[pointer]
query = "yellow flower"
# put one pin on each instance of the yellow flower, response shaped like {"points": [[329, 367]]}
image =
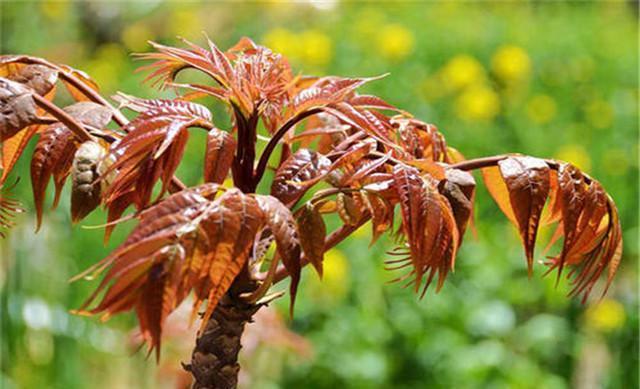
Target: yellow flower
{"points": [[106, 66], [283, 41], [541, 109], [317, 48], [599, 114], [396, 42], [478, 102], [333, 285], [606, 316], [511, 64], [461, 71], [576, 155], [135, 36], [335, 268], [54, 9]]}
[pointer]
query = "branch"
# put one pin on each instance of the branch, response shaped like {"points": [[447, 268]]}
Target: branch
{"points": [[78, 84], [479, 163], [66, 119], [273, 142]]}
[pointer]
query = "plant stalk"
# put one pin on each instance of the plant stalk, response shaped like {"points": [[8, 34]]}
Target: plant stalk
{"points": [[214, 360]]}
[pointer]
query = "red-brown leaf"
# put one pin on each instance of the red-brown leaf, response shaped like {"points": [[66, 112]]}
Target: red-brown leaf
{"points": [[153, 147], [52, 152]]}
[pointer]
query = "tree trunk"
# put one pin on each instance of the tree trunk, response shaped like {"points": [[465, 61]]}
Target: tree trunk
{"points": [[214, 361]]}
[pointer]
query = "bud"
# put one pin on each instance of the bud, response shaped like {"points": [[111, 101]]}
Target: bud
{"points": [[88, 165], [348, 209]]}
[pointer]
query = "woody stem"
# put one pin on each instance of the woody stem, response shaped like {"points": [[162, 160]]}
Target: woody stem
{"points": [[214, 360], [273, 142], [480, 163], [64, 118]]}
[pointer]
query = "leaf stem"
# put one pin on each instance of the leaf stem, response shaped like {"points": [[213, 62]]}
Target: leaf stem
{"points": [[264, 158], [479, 163]]}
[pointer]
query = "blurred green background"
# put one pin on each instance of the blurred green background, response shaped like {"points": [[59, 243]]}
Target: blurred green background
{"points": [[548, 79]]}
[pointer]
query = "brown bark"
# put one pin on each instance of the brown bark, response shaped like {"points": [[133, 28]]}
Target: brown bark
{"points": [[214, 361]]}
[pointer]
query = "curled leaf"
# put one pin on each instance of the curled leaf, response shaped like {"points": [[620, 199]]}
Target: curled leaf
{"points": [[17, 108], [296, 174], [527, 181], [429, 226], [459, 189], [41, 79]]}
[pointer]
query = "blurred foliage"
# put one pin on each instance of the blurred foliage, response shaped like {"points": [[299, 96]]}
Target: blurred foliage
{"points": [[548, 79]]}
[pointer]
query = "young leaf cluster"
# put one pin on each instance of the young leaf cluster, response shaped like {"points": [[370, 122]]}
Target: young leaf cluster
{"points": [[340, 152]]}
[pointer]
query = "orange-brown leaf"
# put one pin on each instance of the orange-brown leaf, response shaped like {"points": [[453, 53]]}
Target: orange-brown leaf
{"points": [[312, 235], [294, 176], [527, 180], [221, 147], [499, 192], [83, 78], [459, 189], [233, 227], [282, 224], [12, 148]]}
